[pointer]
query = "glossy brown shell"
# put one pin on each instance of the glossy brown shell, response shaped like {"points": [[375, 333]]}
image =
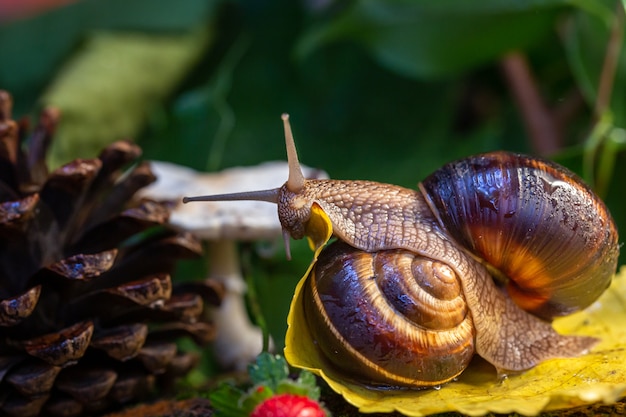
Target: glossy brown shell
{"points": [[532, 220], [388, 317]]}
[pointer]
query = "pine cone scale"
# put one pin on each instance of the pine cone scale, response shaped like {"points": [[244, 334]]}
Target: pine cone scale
{"points": [[156, 356], [202, 333], [150, 291], [185, 307], [122, 342], [15, 309], [115, 157], [15, 213], [34, 378], [64, 407], [114, 231], [117, 197], [87, 385], [131, 385], [87, 303], [64, 190], [9, 145], [38, 145], [84, 267], [24, 407], [62, 348]]}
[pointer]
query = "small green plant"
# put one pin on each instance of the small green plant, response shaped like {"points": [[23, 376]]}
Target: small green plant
{"points": [[272, 392]]}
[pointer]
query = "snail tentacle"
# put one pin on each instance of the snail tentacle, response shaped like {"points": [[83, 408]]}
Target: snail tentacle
{"points": [[295, 182]]}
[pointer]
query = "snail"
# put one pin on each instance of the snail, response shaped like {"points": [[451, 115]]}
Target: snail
{"points": [[478, 260]]}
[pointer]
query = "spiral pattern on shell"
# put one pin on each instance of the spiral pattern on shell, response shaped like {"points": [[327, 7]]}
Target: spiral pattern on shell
{"points": [[389, 317]]}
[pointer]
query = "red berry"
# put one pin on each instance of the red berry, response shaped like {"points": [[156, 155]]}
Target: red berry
{"points": [[288, 405]]}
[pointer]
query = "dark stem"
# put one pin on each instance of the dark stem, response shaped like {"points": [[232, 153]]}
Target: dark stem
{"points": [[611, 59], [545, 136]]}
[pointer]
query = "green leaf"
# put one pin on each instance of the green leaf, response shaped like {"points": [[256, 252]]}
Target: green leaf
{"points": [[255, 396], [430, 39], [226, 400], [268, 370], [305, 385], [307, 379]]}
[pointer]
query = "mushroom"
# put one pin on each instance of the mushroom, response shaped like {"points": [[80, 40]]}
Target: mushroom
{"points": [[222, 225]]}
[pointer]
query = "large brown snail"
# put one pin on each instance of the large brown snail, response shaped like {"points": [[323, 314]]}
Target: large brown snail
{"points": [[479, 260]]}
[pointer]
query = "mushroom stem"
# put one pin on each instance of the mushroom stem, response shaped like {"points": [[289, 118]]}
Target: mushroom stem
{"points": [[224, 262], [238, 341]]}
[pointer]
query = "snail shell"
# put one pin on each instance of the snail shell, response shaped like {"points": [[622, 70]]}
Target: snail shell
{"points": [[538, 224], [407, 294], [390, 317]]}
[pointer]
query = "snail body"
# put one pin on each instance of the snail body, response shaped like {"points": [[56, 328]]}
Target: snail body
{"points": [[406, 295]]}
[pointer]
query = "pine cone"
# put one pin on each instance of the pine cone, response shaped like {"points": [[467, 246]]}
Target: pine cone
{"points": [[88, 313]]}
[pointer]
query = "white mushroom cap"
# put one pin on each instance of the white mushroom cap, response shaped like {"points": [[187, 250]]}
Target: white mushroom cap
{"points": [[236, 220], [238, 341]]}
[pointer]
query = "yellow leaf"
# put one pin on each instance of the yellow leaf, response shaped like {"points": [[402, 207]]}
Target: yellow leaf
{"points": [[318, 230], [599, 376]]}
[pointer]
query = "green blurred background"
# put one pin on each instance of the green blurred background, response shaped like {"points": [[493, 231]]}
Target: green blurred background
{"points": [[386, 90]]}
